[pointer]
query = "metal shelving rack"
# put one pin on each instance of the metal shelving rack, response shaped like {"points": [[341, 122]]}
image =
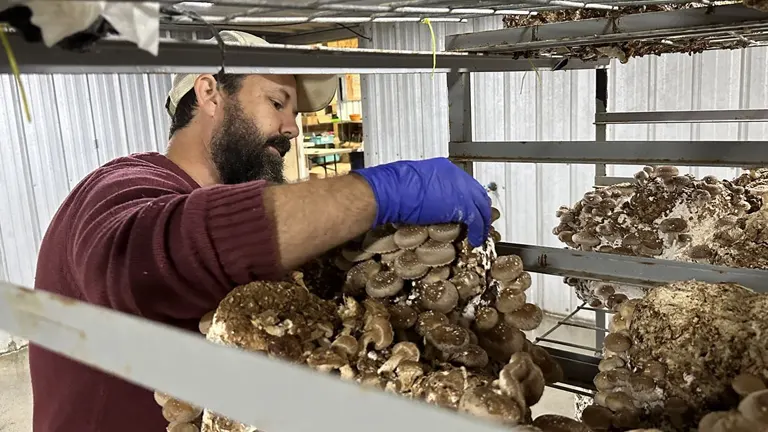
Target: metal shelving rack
{"points": [[59, 324]]}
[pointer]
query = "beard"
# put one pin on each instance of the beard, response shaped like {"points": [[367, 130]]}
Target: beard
{"points": [[241, 152]]}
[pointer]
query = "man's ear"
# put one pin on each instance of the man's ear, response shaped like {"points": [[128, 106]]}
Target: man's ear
{"points": [[207, 94]]}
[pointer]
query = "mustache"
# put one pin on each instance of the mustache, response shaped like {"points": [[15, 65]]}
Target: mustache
{"points": [[281, 143]]}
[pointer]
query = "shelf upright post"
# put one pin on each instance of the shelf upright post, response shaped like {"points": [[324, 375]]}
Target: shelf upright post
{"points": [[601, 106], [460, 113]]}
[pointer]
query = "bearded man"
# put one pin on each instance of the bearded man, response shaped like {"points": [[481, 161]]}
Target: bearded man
{"points": [[167, 236]]}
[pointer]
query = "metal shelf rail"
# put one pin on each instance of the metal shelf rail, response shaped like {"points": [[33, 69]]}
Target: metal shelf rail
{"points": [[144, 351], [722, 20], [291, 21]]}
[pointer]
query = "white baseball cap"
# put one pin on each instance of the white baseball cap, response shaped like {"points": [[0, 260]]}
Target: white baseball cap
{"points": [[314, 92]]}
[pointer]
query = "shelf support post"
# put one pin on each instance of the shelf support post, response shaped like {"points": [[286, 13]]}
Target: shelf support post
{"points": [[601, 106], [460, 113]]}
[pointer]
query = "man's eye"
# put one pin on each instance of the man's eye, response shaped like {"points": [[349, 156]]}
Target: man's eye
{"points": [[278, 105]]}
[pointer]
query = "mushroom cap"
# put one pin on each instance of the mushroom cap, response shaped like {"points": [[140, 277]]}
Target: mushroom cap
{"points": [[495, 214], [509, 300], [522, 283], [384, 284], [182, 427], [507, 268], [641, 383], [655, 370], [342, 263], [402, 316], [468, 284], [610, 363], [558, 423], [596, 417], [471, 356], [745, 384], [617, 342], [379, 331], [666, 171], [429, 320], [701, 251], [407, 350], [436, 253], [482, 402], [503, 340], [161, 398], [605, 290], [673, 225], [408, 266], [355, 255], [615, 300], [526, 318], [437, 274], [448, 338], [325, 359], [411, 236], [730, 421], [551, 369], [345, 345], [627, 308], [486, 318], [585, 239], [565, 236], [631, 239], [755, 407], [389, 258], [441, 296], [522, 369], [402, 351], [358, 276], [380, 240], [205, 322], [445, 233], [619, 401], [175, 410]]}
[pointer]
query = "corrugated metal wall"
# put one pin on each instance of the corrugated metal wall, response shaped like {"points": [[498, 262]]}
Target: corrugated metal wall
{"points": [[79, 122], [407, 118]]}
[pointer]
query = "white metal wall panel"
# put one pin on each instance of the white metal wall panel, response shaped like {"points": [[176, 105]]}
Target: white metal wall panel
{"points": [[711, 80], [78, 123], [406, 118]]}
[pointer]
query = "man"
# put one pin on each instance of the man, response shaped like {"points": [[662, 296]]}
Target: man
{"points": [[166, 237]]}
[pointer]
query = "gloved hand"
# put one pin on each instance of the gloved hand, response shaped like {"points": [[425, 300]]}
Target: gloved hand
{"points": [[429, 192]]}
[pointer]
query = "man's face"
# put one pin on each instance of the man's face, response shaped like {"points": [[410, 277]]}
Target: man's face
{"points": [[254, 130]]}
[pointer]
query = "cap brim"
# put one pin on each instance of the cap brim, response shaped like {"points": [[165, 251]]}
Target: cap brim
{"points": [[315, 92]]}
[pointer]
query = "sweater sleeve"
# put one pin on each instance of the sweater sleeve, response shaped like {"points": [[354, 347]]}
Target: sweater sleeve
{"points": [[141, 246]]}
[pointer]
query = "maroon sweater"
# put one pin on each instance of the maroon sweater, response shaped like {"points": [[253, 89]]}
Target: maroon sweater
{"points": [[140, 236]]}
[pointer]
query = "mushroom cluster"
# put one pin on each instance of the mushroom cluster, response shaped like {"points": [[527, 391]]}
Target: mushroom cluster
{"points": [[673, 355], [668, 216], [623, 50], [412, 310], [751, 413]]}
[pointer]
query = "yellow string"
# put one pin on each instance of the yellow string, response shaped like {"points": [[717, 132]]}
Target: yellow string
{"points": [[434, 45], [15, 71], [535, 69]]}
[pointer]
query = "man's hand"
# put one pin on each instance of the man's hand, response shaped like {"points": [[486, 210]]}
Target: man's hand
{"points": [[427, 192]]}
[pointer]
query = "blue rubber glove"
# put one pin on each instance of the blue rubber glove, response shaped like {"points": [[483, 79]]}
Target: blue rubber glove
{"points": [[429, 192]]}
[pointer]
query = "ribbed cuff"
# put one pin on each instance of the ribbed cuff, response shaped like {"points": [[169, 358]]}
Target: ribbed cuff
{"points": [[243, 234]]}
